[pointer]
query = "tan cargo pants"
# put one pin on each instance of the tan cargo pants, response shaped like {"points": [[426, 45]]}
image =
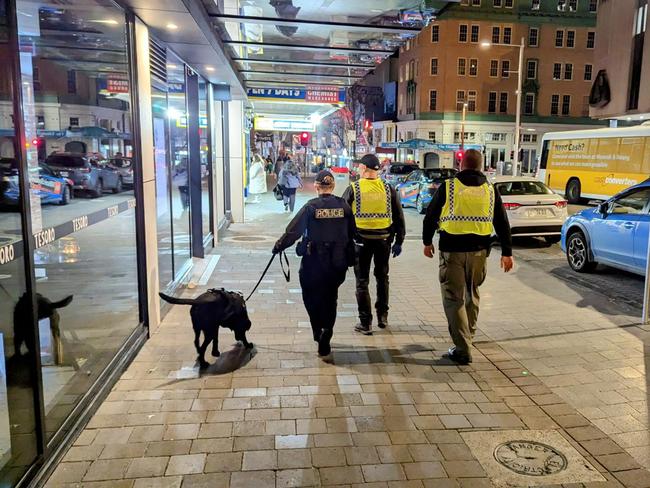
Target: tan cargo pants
{"points": [[461, 274]]}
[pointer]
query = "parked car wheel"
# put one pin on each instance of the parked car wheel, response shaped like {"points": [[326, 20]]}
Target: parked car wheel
{"points": [[552, 239], [67, 195], [573, 191], [420, 206], [577, 252], [99, 189], [119, 187]]}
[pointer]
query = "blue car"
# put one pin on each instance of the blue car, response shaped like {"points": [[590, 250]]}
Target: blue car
{"points": [[420, 186], [43, 182], [615, 233]]}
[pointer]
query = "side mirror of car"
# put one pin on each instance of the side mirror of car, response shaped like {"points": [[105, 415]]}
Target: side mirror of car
{"points": [[603, 208]]}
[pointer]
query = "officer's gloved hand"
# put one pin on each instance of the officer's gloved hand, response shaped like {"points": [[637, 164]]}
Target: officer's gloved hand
{"points": [[276, 249], [397, 250]]}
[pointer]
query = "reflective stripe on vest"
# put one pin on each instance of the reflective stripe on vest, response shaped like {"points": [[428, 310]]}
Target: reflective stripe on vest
{"points": [[372, 204], [468, 209]]}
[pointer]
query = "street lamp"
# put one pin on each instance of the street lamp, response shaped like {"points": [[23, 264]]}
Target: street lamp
{"points": [[520, 70], [462, 128]]}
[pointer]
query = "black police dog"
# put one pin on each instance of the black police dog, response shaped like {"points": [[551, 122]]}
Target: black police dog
{"points": [[211, 310], [23, 332]]}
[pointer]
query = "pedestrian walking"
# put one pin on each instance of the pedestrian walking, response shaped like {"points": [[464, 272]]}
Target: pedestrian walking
{"points": [[466, 211], [289, 180], [380, 222], [257, 178], [326, 225]]}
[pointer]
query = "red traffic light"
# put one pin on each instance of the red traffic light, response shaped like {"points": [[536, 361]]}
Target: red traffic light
{"points": [[459, 155], [35, 142], [304, 139]]}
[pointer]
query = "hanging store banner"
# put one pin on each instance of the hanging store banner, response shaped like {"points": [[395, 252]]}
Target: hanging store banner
{"points": [[323, 94], [316, 94], [114, 85], [289, 125]]}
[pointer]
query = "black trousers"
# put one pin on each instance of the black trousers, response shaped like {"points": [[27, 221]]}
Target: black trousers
{"points": [[369, 250], [320, 291]]}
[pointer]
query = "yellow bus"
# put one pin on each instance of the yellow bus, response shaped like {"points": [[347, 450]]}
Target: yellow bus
{"points": [[595, 164]]}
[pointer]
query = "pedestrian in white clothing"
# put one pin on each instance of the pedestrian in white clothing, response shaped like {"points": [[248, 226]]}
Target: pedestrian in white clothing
{"points": [[257, 178]]}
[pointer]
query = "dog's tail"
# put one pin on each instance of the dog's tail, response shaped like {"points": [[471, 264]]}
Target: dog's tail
{"points": [[177, 301], [62, 303]]}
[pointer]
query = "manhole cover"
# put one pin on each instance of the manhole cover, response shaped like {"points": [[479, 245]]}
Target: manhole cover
{"points": [[530, 458]]}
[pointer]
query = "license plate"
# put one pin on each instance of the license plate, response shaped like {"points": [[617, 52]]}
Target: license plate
{"points": [[537, 212], [64, 173]]}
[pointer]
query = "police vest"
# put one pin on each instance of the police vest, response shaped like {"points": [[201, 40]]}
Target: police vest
{"points": [[372, 204], [468, 209], [328, 222]]}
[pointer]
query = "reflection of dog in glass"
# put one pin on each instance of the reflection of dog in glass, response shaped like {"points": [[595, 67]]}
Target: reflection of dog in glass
{"points": [[23, 330], [211, 310]]}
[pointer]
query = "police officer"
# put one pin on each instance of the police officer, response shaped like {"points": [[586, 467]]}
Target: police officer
{"points": [[326, 225], [466, 210], [380, 221]]}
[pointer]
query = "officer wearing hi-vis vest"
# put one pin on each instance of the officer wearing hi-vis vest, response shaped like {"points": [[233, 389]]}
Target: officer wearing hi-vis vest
{"points": [[380, 221], [326, 225], [466, 211]]}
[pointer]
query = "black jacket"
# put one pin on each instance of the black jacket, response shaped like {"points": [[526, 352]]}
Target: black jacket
{"points": [[397, 228], [466, 242]]}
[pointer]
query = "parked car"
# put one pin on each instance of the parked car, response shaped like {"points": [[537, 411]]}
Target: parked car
{"points": [[43, 183], [533, 208], [615, 233], [395, 173], [420, 186], [87, 173], [124, 167]]}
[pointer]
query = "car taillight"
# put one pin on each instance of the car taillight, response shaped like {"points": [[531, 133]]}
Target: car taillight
{"points": [[561, 204], [511, 206]]}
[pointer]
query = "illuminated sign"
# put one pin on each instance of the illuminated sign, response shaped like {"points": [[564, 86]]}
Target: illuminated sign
{"points": [[265, 123], [312, 94], [117, 86]]}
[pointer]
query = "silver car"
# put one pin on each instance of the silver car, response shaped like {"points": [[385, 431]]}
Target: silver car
{"points": [[124, 166]]}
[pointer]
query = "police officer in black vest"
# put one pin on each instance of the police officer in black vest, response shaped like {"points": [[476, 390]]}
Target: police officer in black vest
{"points": [[326, 225]]}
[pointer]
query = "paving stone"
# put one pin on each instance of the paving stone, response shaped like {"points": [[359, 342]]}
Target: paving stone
{"points": [[209, 480], [260, 460], [147, 467], [186, 464], [292, 478], [424, 470], [383, 472], [109, 469], [223, 462], [168, 448]]}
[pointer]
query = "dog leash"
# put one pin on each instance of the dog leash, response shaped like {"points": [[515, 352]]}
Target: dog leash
{"points": [[284, 261]]}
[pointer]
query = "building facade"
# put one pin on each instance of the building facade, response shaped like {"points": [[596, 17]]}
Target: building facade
{"points": [[622, 61], [469, 56]]}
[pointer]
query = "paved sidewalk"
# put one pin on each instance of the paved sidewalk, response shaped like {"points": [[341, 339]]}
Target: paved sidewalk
{"points": [[388, 411]]}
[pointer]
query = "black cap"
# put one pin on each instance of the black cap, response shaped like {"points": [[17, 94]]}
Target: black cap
{"points": [[325, 178], [370, 161]]}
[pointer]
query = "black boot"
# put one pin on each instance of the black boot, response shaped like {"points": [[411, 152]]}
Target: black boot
{"points": [[364, 329], [324, 348], [382, 320]]}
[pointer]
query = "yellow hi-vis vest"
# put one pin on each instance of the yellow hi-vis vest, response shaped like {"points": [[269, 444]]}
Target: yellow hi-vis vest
{"points": [[468, 209], [372, 204]]}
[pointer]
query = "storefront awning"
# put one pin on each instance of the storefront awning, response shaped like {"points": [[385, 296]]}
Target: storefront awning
{"points": [[426, 144]]}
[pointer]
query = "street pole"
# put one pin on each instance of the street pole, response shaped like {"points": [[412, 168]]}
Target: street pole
{"points": [[646, 293], [462, 128], [515, 164]]}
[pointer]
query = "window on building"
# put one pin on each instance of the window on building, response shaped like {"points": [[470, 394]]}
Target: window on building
{"points": [[557, 71], [473, 67], [495, 137], [591, 40], [533, 37], [435, 33], [531, 69], [559, 38], [460, 100], [36, 74], [503, 102], [555, 104], [462, 33], [570, 38], [72, 81], [566, 104], [475, 33], [497, 3], [434, 66], [568, 71], [494, 68], [507, 35], [508, 3], [561, 5], [589, 72], [637, 54], [573, 5], [534, 4], [593, 6], [462, 66], [40, 122], [432, 136], [471, 101], [505, 69], [492, 102], [496, 35], [74, 122], [529, 104], [433, 100]]}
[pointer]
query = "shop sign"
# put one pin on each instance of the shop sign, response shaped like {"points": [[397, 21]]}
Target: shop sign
{"points": [[277, 93], [270, 124], [322, 94], [114, 85], [263, 137], [313, 94]]}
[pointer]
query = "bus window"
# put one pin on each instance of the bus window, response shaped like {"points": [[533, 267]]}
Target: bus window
{"points": [[543, 160]]}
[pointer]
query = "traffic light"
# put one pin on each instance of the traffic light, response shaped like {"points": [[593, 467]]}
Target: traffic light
{"points": [[459, 156], [304, 139]]}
